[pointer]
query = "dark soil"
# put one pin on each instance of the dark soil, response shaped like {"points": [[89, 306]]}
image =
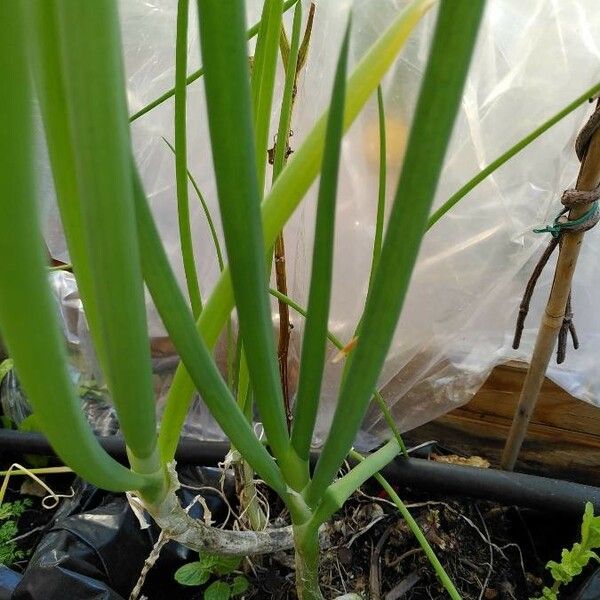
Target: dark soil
{"points": [[491, 552], [481, 545]]}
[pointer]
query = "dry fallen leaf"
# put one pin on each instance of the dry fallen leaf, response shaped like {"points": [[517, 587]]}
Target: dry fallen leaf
{"points": [[454, 459]]}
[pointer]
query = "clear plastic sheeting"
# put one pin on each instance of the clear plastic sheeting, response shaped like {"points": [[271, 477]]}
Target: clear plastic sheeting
{"points": [[83, 368], [532, 58]]}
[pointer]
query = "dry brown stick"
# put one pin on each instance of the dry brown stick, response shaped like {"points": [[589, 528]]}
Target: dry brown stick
{"points": [[163, 539], [285, 326], [375, 568], [402, 588], [552, 320]]}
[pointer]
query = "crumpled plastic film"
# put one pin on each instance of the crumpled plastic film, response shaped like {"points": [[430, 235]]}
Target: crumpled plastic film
{"points": [[83, 368], [532, 58], [94, 546]]}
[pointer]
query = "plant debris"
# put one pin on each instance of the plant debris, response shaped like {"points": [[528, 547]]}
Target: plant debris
{"points": [[485, 548], [454, 459]]}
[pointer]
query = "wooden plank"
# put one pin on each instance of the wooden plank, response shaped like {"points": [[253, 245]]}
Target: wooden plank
{"points": [[563, 439], [499, 396], [546, 451]]}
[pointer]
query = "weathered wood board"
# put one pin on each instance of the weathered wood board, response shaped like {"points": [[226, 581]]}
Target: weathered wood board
{"points": [[563, 438]]}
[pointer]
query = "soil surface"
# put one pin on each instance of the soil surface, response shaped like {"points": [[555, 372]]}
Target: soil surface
{"points": [[491, 552]]}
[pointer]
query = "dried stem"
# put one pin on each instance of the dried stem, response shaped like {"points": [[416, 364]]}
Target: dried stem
{"points": [[285, 325], [178, 525], [253, 515], [148, 564]]}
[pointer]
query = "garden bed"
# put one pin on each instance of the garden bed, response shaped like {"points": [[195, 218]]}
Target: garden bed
{"points": [[491, 551]]}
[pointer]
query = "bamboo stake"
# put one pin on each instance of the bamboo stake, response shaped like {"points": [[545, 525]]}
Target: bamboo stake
{"points": [[588, 179]]}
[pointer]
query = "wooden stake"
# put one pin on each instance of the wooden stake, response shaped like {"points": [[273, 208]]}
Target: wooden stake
{"points": [[588, 179]]}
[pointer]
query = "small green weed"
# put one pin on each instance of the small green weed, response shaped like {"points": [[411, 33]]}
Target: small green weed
{"points": [[9, 514], [226, 585], [575, 560]]}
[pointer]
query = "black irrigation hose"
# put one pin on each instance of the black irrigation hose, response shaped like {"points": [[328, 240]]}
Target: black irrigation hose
{"points": [[189, 451], [504, 487]]}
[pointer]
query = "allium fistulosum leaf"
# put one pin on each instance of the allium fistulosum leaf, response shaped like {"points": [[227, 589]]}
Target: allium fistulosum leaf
{"points": [[229, 111], [45, 57], [97, 112], [293, 183], [287, 101], [28, 318], [263, 81], [250, 33], [179, 323], [378, 240], [439, 99], [312, 363], [512, 151], [181, 171]]}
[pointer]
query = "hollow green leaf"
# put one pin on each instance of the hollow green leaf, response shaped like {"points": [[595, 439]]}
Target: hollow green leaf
{"points": [[181, 171], [194, 354], [387, 415], [312, 363], [234, 158], [287, 101], [209, 219], [303, 51], [439, 99], [416, 531], [28, 319], [506, 156], [97, 111], [303, 313], [263, 81], [338, 492], [290, 188], [378, 240], [45, 56]]}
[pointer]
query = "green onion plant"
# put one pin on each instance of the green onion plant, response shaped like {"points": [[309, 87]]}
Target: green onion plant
{"points": [[65, 56]]}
